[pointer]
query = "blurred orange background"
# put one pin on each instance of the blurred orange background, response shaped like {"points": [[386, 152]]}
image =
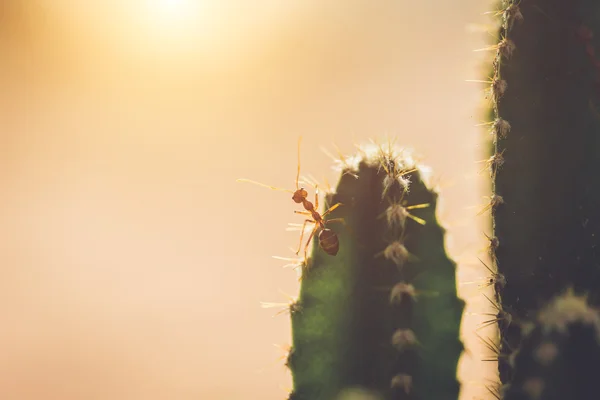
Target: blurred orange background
{"points": [[133, 265]]}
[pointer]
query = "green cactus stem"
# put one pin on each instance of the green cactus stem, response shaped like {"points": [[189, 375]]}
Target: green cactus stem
{"points": [[546, 215], [560, 355], [383, 314]]}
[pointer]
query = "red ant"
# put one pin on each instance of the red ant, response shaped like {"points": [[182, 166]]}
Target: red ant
{"points": [[328, 239]]}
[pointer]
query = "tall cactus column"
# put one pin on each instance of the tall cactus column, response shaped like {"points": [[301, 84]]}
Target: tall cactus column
{"points": [[383, 314], [546, 162]]}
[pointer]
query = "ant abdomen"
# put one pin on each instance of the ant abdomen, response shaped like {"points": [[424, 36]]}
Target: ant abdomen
{"points": [[329, 242]]}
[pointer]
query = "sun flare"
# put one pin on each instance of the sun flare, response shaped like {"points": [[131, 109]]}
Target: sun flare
{"points": [[171, 11], [173, 25]]}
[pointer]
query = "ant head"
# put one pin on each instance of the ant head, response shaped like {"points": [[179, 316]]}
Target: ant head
{"points": [[300, 195]]}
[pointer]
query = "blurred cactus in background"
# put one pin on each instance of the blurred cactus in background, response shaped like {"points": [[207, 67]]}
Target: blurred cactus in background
{"points": [[545, 93], [559, 355], [380, 319]]}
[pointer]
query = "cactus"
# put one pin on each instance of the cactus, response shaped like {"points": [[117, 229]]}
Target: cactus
{"points": [[383, 314], [380, 319], [545, 206]]}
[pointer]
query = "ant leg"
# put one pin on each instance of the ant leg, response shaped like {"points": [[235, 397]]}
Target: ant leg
{"points": [[308, 242], [331, 209], [302, 233], [316, 197], [302, 212], [343, 222]]}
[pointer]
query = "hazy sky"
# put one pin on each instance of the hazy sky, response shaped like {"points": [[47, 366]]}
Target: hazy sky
{"points": [[133, 265]]}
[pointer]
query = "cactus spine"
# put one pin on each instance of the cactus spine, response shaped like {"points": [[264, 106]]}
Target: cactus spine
{"points": [[383, 314], [546, 203]]}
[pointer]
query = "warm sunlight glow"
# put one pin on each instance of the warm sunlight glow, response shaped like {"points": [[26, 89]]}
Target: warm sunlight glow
{"points": [[174, 26], [172, 12], [171, 9], [177, 33]]}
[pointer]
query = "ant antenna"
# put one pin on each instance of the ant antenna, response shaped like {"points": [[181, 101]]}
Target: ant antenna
{"points": [[298, 174]]}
